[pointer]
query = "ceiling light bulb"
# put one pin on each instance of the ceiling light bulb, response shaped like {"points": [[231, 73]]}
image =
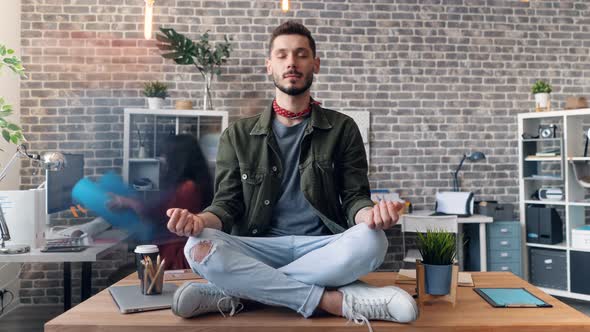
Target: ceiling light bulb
{"points": [[285, 5], [149, 14]]}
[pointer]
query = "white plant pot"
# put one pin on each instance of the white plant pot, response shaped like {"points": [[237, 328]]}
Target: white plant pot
{"points": [[155, 103], [142, 152], [542, 100]]}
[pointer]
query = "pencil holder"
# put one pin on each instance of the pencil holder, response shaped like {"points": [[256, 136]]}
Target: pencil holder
{"points": [[151, 284]]}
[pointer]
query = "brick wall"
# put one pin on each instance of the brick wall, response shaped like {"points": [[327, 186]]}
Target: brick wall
{"points": [[440, 78]]}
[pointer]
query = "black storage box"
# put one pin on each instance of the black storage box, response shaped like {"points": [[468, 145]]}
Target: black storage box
{"points": [[543, 225], [499, 212], [548, 268], [580, 270]]}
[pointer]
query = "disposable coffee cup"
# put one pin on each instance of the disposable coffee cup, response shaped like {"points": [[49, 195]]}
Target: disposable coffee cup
{"points": [[143, 251]]}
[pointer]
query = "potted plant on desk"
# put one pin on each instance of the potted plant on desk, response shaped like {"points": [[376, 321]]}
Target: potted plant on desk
{"points": [[438, 250]]}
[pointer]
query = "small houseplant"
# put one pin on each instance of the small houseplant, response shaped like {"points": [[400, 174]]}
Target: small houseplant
{"points": [[541, 91], [11, 132], [206, 58], [438, 250], [156, 92]]}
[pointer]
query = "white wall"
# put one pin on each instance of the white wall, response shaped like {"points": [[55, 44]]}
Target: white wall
{"points": [[9, 84], [9, 89]]}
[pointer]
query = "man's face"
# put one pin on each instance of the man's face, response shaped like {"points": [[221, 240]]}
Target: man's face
{"points": [[292, 64]]}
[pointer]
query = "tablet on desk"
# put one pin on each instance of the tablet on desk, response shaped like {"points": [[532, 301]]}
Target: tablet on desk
{"points": [[511, 298]]}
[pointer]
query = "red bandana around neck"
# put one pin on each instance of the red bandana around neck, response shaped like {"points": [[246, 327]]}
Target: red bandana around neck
{"points": [[291, 115]]}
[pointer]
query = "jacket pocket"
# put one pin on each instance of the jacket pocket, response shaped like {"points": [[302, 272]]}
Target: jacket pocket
{"points": [[251, 185], [326, 172], [327, 179]]}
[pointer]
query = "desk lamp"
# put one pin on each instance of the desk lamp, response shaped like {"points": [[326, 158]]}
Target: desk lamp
{"points": [[51, 161], [474, 156]]}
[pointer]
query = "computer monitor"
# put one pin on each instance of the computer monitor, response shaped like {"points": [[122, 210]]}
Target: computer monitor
{"points": [[60, 183]]}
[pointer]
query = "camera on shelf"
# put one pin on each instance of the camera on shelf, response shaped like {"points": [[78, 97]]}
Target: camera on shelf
{"points": [[547, 131]]}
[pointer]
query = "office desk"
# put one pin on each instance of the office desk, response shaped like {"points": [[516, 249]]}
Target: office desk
{"points": [[471, 313], [104, 241], [474, 219]]}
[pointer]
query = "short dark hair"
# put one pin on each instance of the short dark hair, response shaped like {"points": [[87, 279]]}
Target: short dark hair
{"points": [[292, 28]]}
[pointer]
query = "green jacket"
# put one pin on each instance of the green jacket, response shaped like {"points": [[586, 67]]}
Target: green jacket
{"points": [[332, 167]]}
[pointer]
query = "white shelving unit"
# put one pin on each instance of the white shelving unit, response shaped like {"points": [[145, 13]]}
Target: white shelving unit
{"points": [[556, 171], [154, 125]]}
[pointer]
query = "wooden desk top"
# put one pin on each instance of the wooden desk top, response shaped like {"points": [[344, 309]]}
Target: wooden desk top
{"points": [[471, 313]]}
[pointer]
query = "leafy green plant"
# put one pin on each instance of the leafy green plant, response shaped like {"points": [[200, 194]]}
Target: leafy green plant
{"points": [[206, 58], [155, 89], [541, 87], [11, 132], [437, 247]]}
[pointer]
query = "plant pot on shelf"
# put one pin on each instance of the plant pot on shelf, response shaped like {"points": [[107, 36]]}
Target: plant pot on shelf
{"points": [[155, 103], [542, 101], [438, 279]]}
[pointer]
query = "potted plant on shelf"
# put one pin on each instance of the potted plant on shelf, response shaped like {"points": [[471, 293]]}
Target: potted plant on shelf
{"points": [[11, 132], [206, 58], [541, 91], [155, 92], [438, 250]]}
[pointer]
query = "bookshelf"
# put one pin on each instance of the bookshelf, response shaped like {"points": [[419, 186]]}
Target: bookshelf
{"points": [[147, 128], [556, 170]]}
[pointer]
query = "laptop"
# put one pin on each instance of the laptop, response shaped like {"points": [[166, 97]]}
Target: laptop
{"points": [[129, 298]]}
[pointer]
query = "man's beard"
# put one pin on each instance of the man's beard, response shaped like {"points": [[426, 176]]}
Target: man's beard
{"points": [[294, 91]]}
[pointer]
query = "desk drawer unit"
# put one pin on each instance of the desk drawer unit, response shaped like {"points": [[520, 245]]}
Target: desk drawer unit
{"points": [[548, 268], [504, 247]]}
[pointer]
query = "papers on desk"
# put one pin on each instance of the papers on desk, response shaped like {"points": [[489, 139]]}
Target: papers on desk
{"points": [[89, 229], [406, 276], [180, 275], [60, 238]]}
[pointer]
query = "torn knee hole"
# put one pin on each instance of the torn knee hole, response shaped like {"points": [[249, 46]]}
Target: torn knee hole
{"points": [[200, 251]]}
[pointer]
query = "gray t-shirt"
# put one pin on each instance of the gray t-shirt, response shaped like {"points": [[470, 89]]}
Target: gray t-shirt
{"points": [[292, 214]]}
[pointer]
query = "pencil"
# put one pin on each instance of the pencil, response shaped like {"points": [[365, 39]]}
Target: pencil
{"points": [[156, 276]]}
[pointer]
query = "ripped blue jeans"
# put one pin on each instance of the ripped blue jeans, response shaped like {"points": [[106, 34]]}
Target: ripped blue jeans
{"points": [[290, 271]]}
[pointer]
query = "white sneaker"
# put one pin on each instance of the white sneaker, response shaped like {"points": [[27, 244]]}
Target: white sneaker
{"points": [[362, 302], [195, 298]]}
